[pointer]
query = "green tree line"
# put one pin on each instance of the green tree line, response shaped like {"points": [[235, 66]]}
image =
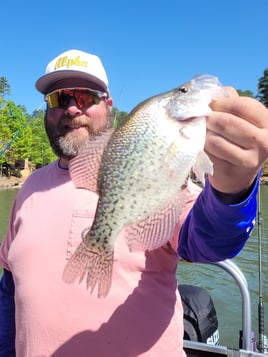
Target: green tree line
{"points": [[22, 135]]}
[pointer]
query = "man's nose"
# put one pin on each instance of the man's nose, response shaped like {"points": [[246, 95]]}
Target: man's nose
{"points": [[73, 108]]}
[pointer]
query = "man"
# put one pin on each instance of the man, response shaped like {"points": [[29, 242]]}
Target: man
{"points": [[142, 314]]}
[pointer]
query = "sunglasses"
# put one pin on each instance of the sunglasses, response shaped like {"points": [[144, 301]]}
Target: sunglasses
{"points": [[84, 97]]}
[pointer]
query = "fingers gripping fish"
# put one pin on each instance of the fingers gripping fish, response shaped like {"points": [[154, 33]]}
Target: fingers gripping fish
{"points": [[141, 175]]}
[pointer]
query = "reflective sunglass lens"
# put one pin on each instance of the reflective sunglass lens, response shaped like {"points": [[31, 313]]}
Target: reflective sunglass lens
{"points": [[83, 97]]}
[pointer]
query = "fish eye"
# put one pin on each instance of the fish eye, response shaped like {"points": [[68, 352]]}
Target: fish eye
{"points": [[183, 89]]}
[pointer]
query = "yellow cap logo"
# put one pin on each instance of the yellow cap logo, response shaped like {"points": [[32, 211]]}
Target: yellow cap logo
{"points": [[69, 62]]}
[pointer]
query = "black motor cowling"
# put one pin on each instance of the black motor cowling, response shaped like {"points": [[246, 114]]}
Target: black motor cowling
{"points": [[200, 318]]}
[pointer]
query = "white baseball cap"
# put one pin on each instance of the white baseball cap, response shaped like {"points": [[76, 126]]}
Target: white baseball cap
{"points": [[77, 65]]}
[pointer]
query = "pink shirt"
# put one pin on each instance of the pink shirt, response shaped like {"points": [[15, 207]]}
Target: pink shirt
{"points": [[142, 314]]}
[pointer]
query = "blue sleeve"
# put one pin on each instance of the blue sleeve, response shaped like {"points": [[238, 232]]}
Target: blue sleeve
{"points": [[216, 230], [7, 315]]}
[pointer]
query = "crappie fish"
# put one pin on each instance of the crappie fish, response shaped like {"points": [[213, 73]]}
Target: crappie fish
{"points": [[140, 171]]}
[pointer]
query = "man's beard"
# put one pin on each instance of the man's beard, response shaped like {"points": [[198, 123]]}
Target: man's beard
{"points": [[69, 144]]}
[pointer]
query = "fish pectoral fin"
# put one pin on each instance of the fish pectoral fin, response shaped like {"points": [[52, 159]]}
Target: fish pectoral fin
{"points": [[97, 267], [84, 167], [202, 166], [155, 230]]}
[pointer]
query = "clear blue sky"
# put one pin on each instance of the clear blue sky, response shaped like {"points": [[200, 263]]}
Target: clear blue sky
{"points": [[147, 46]]}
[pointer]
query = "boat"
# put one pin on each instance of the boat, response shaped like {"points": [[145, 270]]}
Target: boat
{"points": [[197, 345]]}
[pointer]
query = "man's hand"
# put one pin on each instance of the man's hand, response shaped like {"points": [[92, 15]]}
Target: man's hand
{"points": [[237, 141]]}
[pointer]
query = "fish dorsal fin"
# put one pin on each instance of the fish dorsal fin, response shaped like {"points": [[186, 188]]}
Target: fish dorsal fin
{"points": [[155, 230], [85, 166]]}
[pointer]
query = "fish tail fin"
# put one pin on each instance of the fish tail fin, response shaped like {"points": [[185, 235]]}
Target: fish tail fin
{"points": [[97, 267]]}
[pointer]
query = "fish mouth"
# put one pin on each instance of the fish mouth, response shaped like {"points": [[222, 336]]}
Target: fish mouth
{"points": [[187, 119], [191, 118]]}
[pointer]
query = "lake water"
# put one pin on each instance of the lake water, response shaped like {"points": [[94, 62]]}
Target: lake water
{"points": [[221, 286]]}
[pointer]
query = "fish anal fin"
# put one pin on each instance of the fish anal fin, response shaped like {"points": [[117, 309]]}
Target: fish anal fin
{"points": [[84, 167], [97, 267], [155, 230]]}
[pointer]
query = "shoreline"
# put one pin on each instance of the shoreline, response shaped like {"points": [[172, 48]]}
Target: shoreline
{"points": [[11, 182], [264, 180], [8, 183]]}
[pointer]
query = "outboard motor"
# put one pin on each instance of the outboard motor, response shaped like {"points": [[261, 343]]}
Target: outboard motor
{"points": [[200, 318]]}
